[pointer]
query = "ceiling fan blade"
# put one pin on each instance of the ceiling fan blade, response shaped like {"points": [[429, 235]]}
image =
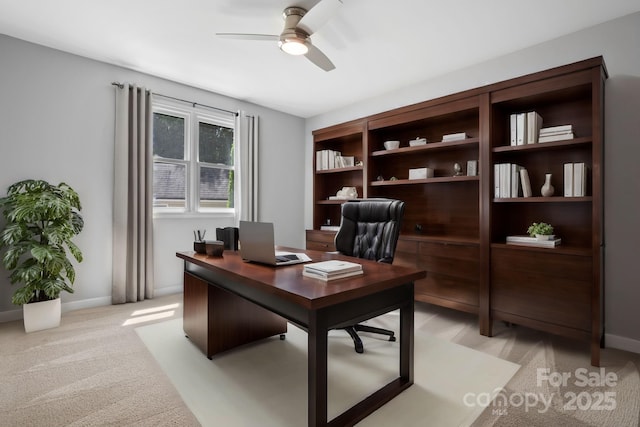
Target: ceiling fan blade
{"points": [[242, 36], [316, 56], [318, 15]]}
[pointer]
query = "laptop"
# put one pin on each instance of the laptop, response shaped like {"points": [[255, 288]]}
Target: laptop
{"points": [[257, 245]]}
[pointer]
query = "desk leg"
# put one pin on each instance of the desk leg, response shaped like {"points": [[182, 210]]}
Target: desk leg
{"points": [[406, 341], [317, 366]]}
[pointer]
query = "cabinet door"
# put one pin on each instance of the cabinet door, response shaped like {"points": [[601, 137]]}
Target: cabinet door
{"points": [[542, 288], [196, 311]]}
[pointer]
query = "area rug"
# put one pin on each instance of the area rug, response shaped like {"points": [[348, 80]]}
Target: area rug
{"points": [[266, 383]]}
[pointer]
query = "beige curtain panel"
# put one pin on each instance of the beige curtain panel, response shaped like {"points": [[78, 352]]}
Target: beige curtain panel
{"points": [[133, 196]]}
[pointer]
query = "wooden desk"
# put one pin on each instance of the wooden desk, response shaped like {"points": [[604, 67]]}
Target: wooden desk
{"points": [[309, 303]]}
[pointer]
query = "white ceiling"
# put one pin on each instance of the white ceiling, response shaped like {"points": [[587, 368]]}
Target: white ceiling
{"points": [[376, 45]]}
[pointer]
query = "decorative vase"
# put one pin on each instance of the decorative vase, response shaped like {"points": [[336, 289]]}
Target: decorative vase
{"points": [[547, 189], [41, 315]]}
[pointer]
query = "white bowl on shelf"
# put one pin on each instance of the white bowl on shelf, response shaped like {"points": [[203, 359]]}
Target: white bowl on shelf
{"points": [[391, 145]]}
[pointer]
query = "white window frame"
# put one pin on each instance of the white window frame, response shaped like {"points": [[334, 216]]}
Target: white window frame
{"points": [[192, 117]]}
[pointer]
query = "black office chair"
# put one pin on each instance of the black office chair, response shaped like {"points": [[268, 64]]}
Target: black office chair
{"points": [[369, 229]]}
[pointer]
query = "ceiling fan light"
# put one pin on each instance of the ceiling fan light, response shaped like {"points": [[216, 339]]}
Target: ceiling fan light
{"points": [[294, 46]]}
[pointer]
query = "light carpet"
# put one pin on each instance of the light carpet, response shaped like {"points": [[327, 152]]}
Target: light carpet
{"points": [[266, 382]]}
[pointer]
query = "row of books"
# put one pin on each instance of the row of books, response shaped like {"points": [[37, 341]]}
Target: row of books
{"points": [[331, 159], [525, 128], [575, 179], [511, 180], [556, 133], [332, 269]]}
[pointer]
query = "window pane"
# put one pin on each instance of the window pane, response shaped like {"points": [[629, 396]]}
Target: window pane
{"points": [[169, 185], [216, 144], [216, 188], [168, 136]]}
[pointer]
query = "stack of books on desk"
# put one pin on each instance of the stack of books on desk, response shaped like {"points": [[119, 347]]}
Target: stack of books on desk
{"points": [[333, 269]]}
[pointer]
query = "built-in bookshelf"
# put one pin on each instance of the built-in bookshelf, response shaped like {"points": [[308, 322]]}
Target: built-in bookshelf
{"points": [[456, 225]]}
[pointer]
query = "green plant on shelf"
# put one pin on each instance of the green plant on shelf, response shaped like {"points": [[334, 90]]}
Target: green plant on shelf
{"points": [[540, 228]]}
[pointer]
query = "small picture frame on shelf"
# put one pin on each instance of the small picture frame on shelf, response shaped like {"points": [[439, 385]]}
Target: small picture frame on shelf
{"points": [[472, 168]]}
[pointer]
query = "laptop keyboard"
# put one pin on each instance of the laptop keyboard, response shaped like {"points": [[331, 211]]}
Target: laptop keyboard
{"points": [[285, 258]]}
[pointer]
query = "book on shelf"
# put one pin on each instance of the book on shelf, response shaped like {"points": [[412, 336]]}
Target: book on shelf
{"points": [[472, 168], [579, 179], [329, 227], [555, 137], [521, 128], [556, 129], [533, 241], [454, 136], [332, 269], [513, 128], [568, 180], [525, 183], [534, 124]]}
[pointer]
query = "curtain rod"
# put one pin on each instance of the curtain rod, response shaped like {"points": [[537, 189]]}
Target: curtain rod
{"points": [[235, 113]]}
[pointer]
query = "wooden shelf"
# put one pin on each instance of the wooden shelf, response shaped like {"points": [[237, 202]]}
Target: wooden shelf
{"points": [[431, 146], [560, 249], [333, 202], [434, 180], [554, 145], [339, 170], [555, 199]]}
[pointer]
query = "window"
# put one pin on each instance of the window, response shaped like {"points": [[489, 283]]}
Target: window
{"points": [[193, 160]]}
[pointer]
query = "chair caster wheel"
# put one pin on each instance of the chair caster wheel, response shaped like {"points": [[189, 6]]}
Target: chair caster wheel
{"points": [[282, 337]]}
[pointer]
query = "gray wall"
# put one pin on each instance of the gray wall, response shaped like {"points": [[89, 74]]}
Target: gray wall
{"points": [[57, 124], [618, 41]]}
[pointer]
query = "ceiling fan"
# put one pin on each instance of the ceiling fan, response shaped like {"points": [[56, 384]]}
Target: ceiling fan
{"points": [[299, 25]]}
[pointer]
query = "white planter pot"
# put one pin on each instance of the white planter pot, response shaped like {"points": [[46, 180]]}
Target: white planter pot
{"points": [[41, 315]]}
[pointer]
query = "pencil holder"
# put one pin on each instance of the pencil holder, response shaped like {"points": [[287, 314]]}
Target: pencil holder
{"points": [[200, 247]]}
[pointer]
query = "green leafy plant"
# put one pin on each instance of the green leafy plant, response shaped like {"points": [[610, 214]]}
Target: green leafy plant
{"points": [[40, 221], [541, 228]]}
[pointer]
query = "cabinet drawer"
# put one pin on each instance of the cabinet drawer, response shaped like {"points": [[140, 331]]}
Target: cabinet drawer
{"points": [[453, 260], [318, 240], [452, 271], [553, 288], [450, 288]]}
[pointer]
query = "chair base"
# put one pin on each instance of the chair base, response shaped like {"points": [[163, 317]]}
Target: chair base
{"points": [[357, 342]]}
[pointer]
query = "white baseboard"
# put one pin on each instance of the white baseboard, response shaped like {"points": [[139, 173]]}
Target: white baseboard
{"points": [[622, 343], [8, 316], [85, 303], [169, 290]]}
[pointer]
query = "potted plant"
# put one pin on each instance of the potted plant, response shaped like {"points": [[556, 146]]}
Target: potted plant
{"points": [[40, 221], [541, 230]]}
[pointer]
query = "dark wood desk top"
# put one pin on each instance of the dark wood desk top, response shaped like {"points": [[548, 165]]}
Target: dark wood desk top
{"points": [[289, 283]]}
